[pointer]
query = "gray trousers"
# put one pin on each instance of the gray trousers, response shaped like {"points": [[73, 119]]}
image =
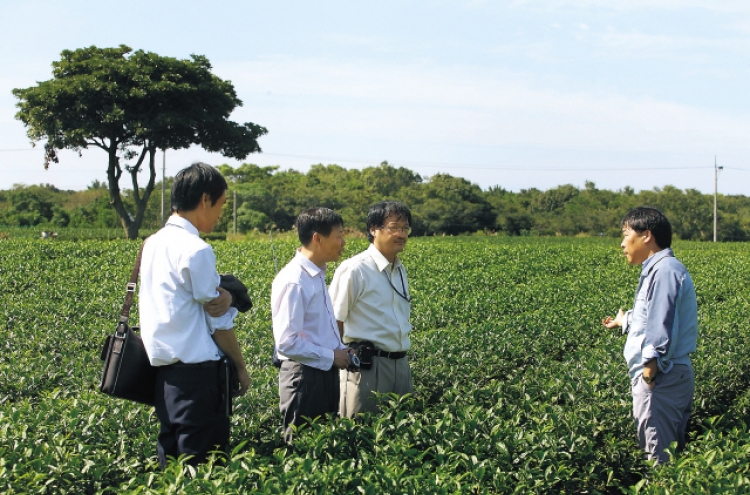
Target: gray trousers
{"points": [[305, 391], [661, 415], [386, 376]]}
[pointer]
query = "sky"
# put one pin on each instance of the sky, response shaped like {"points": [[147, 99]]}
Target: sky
{"points": [[512, 94]]}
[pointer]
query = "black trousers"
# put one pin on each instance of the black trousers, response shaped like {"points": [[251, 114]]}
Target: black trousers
{"points": [[191, 411], [305, 391]]}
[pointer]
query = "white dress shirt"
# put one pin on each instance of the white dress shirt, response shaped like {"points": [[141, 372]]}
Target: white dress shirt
{"points": [[304, 327], [368, 294], [178, 275]]}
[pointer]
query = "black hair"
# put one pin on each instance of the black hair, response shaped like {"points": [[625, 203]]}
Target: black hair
{"points": [[382, 210], [646, 218], [321, 220], [192, 182]]}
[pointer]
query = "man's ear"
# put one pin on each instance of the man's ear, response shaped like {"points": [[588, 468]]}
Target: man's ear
{"points": [[647, 236], [316, 239]]}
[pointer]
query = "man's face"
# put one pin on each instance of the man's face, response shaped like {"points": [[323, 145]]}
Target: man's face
{"points": [[390, 239], [634, 245], [211, 213], [332, 245]]}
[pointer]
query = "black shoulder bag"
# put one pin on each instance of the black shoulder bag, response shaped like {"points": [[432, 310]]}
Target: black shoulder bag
{"points": [[128, 374]]}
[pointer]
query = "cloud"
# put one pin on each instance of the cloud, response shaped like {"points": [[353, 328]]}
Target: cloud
{"points": [[723, 6], [656, 45], [374, 44], [468, 106]]}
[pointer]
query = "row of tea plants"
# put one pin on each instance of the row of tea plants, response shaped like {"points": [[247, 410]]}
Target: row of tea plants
{"points": [[519, 389]]}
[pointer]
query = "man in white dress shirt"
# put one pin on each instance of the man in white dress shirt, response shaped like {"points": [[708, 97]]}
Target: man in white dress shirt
{"points": [[304, 328], [187, 322], [371, 301]]}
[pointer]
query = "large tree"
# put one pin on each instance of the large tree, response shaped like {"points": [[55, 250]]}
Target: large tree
{"points": [[130, 106]]}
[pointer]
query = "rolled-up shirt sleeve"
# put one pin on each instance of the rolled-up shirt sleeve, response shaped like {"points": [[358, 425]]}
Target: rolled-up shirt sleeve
{"points": [[223, 322], [204, 280], [662, 304], [288, 314], [203, 276]]}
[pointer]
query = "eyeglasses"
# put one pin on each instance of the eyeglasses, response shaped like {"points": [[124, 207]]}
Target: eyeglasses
{"points": [[394, 230]]}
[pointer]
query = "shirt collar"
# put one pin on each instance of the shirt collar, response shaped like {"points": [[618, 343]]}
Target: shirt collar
{"points": [[183, 223], [650, 262], [311, 268], [380, 261]]}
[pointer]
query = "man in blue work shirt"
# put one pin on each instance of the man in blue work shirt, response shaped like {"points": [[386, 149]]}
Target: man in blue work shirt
{"points": [[662, 332]]}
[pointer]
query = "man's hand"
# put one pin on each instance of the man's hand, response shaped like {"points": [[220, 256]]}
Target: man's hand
{"points": [[341, 358], [244, 382], [618, 320], [219, 305], [650, 370]]}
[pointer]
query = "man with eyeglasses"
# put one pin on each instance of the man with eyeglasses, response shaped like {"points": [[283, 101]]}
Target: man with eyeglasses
{"points": [[371, 303]]}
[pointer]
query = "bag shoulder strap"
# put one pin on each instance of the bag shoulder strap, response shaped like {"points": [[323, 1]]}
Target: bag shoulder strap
{"points": [[130, 289]]}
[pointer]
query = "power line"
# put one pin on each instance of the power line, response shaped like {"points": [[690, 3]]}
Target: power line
{"points": [[488, 167], [449, 165]]}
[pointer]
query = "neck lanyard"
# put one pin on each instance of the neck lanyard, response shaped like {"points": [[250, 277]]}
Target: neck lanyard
{"points": [[405, 296]]}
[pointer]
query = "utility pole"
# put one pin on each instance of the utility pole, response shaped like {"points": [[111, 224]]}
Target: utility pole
{"points": [[234, 209], [163, 173], [716, 187]]}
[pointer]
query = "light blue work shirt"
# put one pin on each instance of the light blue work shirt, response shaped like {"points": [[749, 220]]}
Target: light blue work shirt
{"points": [[663, 323]]}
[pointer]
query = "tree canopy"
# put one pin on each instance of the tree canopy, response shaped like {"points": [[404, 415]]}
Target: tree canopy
{"points": [[270, 198], [130, 106], [444, 205]]}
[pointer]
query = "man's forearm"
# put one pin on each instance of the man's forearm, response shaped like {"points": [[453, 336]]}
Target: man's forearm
{"points": [[227, 342]]}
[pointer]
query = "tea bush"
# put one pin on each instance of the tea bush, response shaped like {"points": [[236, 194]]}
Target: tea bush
{"points": [[518, 387]]}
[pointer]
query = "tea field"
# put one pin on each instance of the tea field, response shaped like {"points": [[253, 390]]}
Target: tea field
{"points": [[518, 387]]}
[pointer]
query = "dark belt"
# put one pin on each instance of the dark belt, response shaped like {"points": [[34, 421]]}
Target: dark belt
{"points": [[204, 364], [390, 355]]}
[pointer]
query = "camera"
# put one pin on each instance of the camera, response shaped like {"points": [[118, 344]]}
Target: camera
{"points": [[353, 363], [362, 357]]}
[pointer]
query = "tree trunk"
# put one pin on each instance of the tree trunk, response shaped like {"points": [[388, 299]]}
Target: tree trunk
{"points": [[132, 230], [114, 172], [141, 202], [131, 225]]}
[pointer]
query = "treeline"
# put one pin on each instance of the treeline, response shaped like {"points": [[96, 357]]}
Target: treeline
{"points": [[270, 198]]}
